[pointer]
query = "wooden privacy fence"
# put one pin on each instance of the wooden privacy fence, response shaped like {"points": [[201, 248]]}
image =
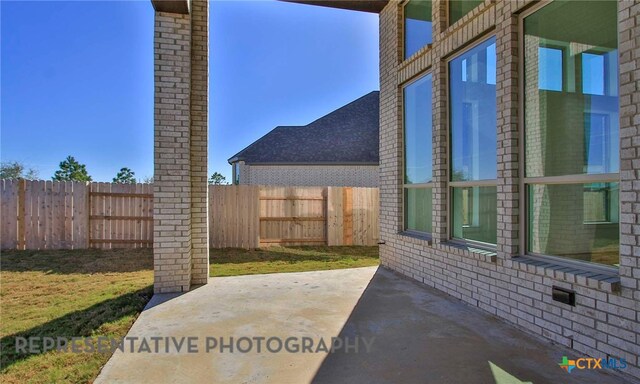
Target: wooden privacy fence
{"points": [[247, 216], [73, 215]]}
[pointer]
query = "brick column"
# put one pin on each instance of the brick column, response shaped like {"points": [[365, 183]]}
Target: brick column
{"points": [[440, 160], [440, 135], [199, 140], [172, 168], [390, 136], [629, 54], [180, 249], [507, 128]]}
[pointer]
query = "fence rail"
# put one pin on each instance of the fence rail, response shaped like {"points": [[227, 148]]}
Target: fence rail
{"points": [[73, 215]]}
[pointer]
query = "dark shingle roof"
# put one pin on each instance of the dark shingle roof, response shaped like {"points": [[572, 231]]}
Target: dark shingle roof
{"points": [[348, 135]]}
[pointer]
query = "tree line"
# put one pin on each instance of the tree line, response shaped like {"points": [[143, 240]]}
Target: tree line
{"points": [[72, 170]]}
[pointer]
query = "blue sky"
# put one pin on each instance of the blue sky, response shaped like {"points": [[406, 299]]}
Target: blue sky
{"points": [[77, 78]]}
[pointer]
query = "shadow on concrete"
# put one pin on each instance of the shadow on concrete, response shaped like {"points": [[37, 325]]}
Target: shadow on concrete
{"points": [[424, 336], [77, 324], [163, 298]]}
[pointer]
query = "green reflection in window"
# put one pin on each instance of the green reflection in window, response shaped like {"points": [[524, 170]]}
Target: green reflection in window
{"points": [[577, 221], [418, 209], [474, 212], [459, 8], [571, 89]]}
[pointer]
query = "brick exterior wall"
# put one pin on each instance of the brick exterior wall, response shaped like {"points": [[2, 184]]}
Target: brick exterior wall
{"points": [[310, 175], [180, 149], [605, 321], [629, 53]]}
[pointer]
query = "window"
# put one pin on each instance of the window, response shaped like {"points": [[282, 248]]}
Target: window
{"points": [[417, 155], [459, 8], [236, 173], [571, 131], [601, 144], [592, 71], [472, 114], [474, 213], [550, 69], [576, 221], [600, 203], [417, 26]]}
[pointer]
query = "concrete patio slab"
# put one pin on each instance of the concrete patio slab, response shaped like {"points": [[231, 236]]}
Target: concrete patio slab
{"points": [[417, 335]]}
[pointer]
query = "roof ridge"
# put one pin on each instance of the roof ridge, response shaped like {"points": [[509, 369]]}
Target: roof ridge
{"points": [[263, 137], [343, 107]]}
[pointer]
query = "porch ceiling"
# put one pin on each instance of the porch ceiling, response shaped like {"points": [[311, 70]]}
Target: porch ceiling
{"points": [[172, 6], [373, 6]]}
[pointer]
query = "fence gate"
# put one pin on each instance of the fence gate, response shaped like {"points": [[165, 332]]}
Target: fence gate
{"points": [[121, 215], [293, 216]]}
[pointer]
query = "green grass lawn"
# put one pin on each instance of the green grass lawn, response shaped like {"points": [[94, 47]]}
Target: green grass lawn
{"points": [[232, 261], [96, 293]]}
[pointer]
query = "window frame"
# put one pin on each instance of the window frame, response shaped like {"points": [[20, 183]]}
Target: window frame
{"points": [[472, 183], [404, 185], [403, 32], [524, 181]]}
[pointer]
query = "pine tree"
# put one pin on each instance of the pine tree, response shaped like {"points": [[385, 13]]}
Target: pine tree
{"points": [[71, 170], [125, 176]]}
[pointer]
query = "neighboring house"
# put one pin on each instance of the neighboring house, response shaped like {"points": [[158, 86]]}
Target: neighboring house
{"points": [[339, 149]]}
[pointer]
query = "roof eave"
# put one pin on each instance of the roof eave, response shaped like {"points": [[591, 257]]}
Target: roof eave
{"points": [[235, 159], [172, 6], [319, 163]]}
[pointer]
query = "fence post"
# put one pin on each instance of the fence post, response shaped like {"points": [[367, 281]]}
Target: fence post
{"points": [[335, 231], [254, 218], [347, 215], [87, 212], [22, 187]]}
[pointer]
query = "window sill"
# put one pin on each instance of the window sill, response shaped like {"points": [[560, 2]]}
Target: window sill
{"points": [[487, 255], [405, 62], [583, 276], [418, 235]]}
